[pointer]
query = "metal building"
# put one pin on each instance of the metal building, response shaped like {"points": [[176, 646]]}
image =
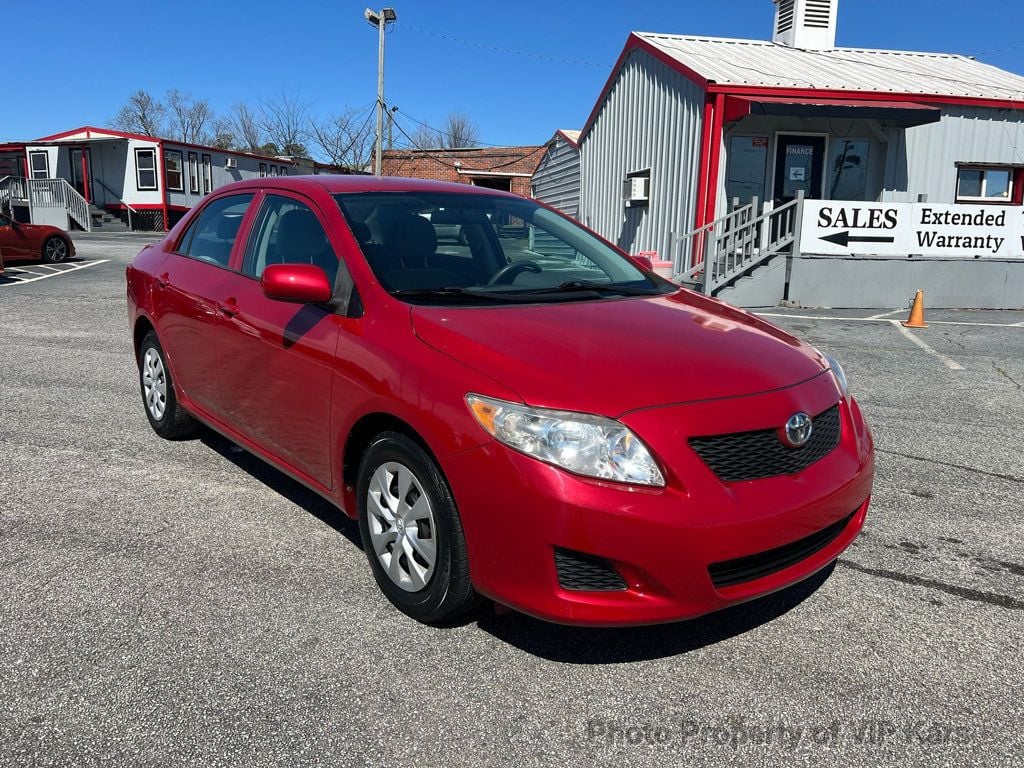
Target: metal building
{"points": [[706, 149], [557, 179]]}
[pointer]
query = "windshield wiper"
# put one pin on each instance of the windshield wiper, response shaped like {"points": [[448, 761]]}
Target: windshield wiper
{"points": [[572, 286], [452, 293]]}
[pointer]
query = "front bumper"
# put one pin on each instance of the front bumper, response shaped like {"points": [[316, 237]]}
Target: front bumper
{"points": [[517, 511]]}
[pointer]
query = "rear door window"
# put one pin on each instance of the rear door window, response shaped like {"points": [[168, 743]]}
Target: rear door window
{"points": [[211, 237]]}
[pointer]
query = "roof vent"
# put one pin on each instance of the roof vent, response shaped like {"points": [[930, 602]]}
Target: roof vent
{"points": [[809, 24]]}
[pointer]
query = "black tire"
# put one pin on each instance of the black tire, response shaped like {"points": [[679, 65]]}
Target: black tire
{"points": [[173, 421], [55, 250], [448, 592]]}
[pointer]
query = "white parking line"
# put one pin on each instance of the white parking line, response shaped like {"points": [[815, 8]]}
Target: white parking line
{"points": [[953, 365], [883, 320], [885, 314], [72, 268]]}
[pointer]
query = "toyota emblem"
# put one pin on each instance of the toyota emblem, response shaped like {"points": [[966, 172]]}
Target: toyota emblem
{"points": [[798, 430]]}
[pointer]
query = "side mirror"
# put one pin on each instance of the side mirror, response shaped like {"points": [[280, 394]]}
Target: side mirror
{"points": [[644, 262], [300, 283]]}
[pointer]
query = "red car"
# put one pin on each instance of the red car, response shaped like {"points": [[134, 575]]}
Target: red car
{"points": [[519, 412], [32, 241]]}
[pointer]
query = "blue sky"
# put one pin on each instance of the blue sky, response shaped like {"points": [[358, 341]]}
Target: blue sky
{"points": [[85, 64]]}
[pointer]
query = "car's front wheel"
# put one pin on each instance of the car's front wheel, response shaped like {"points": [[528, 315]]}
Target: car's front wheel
{"points": [[165, 414], [55, 250], [411, 531]]}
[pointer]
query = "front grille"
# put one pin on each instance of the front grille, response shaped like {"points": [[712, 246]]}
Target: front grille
{"points": [[731, 572], [586, 573], [755, 455]]}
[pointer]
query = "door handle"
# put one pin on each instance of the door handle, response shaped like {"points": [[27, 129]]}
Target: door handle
{"points": [[162, 281], [229, 307]]}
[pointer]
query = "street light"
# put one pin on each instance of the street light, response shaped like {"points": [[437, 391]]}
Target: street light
{"points": [[380, 19]]}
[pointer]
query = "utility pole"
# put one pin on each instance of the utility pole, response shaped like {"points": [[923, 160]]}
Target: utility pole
{"points": [[380, 19]]}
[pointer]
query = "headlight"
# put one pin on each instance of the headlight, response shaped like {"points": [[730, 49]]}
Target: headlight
{"points": [[839, 374], [587, 445]]}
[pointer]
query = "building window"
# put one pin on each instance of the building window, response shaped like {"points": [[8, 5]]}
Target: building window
{"points": [[145, 169], [284, 171], [979, 184], [273, 170], [746, 168], [172, 166], [40, 163], [193, 173], [207, 174], [263, 170], [848, 169]]}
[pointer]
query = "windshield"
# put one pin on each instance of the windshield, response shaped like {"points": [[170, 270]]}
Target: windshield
{"points": [[443, 248]]}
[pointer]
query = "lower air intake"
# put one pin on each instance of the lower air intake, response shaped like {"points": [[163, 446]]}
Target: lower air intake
{"points": [[585, 573]]}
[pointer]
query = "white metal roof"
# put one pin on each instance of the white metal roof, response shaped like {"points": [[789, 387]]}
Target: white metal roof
{"points": [[724, 61]]}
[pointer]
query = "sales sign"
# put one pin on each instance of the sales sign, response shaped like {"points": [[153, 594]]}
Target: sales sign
{"points": [[843, 228]]}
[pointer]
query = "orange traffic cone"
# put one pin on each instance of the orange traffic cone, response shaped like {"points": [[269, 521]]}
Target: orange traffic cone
{"points": [[916, 319]]}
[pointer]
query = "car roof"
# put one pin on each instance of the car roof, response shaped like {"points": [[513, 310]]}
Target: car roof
{"points": [[360, 183]]}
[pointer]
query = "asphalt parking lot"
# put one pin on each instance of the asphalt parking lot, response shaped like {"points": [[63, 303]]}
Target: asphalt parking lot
{"points": [[184, 604]]}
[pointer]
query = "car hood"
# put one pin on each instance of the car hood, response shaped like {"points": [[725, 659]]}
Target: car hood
{"points": [[617, 355]]}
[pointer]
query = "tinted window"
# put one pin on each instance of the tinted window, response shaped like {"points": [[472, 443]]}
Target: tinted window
{"points": [[212, 236], [288, 232]]}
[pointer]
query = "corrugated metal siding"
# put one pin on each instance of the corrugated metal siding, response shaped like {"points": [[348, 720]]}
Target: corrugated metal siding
{"points": [[651, 118], [924, 161], [762, 63], [557, 180]]}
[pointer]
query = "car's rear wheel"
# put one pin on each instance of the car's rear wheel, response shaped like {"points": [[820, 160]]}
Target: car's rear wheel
{"points": [[165, 414], [55, 250], [411, 531]]}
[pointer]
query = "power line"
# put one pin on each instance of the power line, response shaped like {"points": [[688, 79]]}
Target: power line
{"points": [[488, 47]]}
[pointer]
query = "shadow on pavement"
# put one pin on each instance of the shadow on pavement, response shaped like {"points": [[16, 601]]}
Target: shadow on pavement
{"points": [[581, 645], [281, 483]]}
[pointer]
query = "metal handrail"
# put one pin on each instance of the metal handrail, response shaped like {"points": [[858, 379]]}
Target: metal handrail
{"points": [[8, 186], [734, 244], [58, 193], [118, 198]]}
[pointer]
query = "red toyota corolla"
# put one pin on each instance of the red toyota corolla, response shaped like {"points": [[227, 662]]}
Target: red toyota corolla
{"points": [[510, 406]]}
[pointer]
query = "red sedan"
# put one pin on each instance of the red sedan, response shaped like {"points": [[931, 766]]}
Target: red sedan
{"points": [[519, 412], [32, 242]]}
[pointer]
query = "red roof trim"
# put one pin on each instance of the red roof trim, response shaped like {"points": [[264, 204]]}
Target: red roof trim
{"points": [[633, 42], [88, 130], [823, 93]]}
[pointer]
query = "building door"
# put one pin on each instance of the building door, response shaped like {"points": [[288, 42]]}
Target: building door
{"points": [[799, 167], [81, 172]]}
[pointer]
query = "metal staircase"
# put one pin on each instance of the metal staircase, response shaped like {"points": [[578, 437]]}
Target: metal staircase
{"points": [[719, 254], [59, 194], [49, 201]]}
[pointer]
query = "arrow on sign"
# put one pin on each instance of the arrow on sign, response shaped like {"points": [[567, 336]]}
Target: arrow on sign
{"points": [[845, 238]]}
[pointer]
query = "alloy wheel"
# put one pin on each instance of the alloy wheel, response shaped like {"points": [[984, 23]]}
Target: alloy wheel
{"points": [[56, 249]]}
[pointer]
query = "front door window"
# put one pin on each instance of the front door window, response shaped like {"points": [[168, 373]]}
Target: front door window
{"points": [[799, 167]]}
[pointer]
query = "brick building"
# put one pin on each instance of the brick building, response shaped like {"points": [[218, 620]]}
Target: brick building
{"points": [[506, 168]]}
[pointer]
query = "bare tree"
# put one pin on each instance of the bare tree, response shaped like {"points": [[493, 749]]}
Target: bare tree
{"points": [[425, 137], [345, 139], [284, 119], [141, 114], [223, 134], [189, 117], [459, 131], [245, 125]]}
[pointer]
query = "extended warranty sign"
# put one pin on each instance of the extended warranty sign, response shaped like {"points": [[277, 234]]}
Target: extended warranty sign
{"points": [[835, 228]]}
